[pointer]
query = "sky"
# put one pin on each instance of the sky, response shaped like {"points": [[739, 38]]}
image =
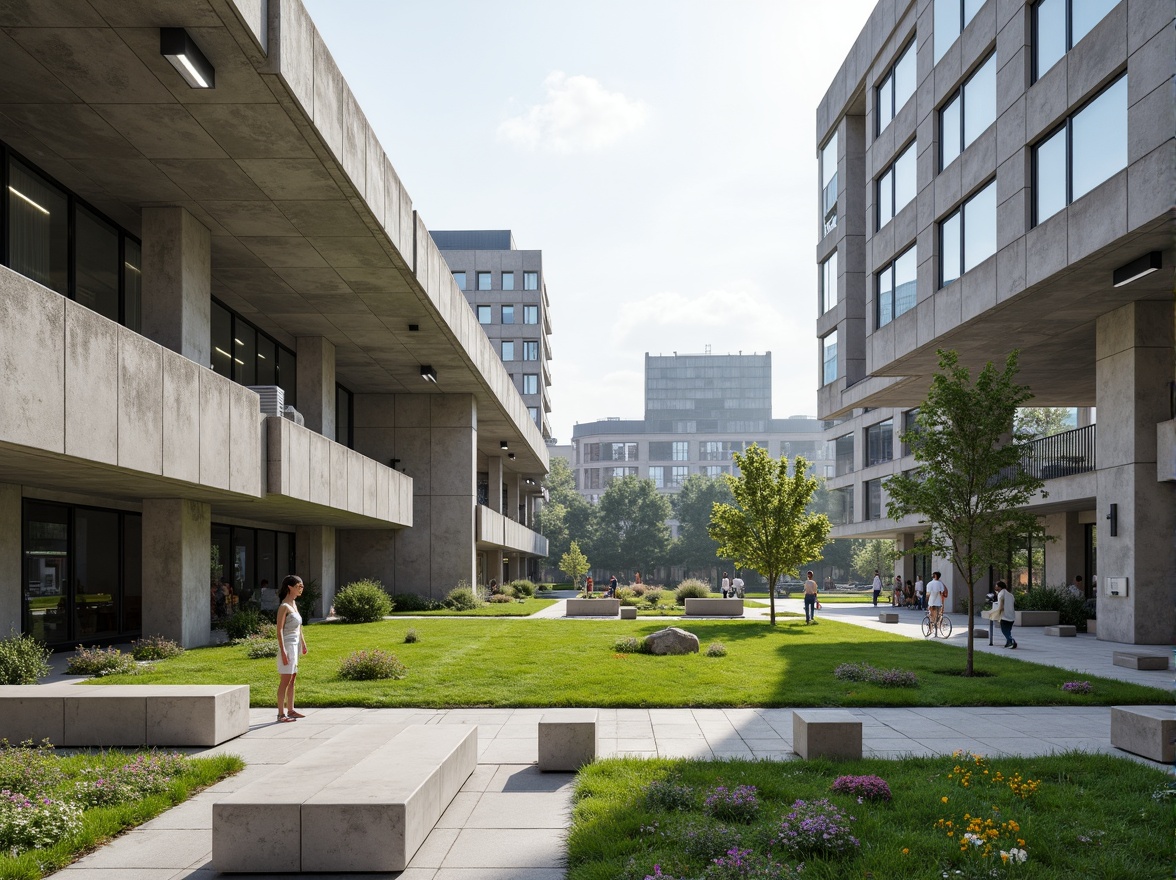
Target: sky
{"points": [[661, 154]]}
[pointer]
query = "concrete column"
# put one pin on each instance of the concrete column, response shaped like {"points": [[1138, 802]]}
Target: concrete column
{"points": [[514, 484], [1065, 556], [495, 480], [905, 565], [1134, 362], [177, 543], [314, 552], [316, 384], [494, 564], [10, 559], [514, 566], [177, 282]]}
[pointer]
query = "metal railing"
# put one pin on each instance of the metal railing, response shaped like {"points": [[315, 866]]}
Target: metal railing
{"points": [[1062, 455]]}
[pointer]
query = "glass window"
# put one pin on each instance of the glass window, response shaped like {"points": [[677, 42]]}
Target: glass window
{"points": [[343, 404], [288, 375], [533, 411], [896, 187], [843, 455], [886, 197], [658, 475], [896, 286], [244, 353], [951, 17], [951, 131], [1085, 14], [897, 87], [873, 492], [880, 442], [132, 284], [829, 283], [530, 383], [530, 281], [681, 450], [969, 112], [530, 351], [660, 450], [96, 269], [485, 315], [132, 580], [508, 314], [484, 281], [591, 452], [678, 474], [886, 296], [267, 361], [1058, 26], [909, 426], [1049, 161], [950, 249], [508, 280], [968, 236], [829, 183], [508, 351], [460, 278], [222, 341], [530, 314], [38, 228], [829, 358]]}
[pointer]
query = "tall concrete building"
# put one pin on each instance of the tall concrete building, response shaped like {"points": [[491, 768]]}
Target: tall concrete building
{"points": [[508, 293], [229, 346], [1000, 175]]}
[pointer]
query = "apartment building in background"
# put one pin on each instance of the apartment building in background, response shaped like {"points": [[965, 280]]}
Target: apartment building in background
{"points": [[999, 175], [506, 289], [230, 347]]}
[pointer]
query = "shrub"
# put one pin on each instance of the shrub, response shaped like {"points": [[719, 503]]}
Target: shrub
{"points": [[145, 775], [258, 647], [371, 665], [1071, 609], [738, 804], [27, 824], [716, 649], [523, 588], [155, 648], [243, 624], [501, 598], [413, 602], [653, 597], [28, 768], [23, 660], [871, 674], [628, 645], [869, 788], [816, 827], [626, 595], [668, 796], [100, 661], [411, 637], [638, 589], [746, 864], [462, 598], [691, 588], [308, 601], [363, 601], [705, 842], [1090, 608]]}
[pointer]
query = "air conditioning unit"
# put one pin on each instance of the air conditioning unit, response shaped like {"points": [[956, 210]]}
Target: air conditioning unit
{"points": [[273, 398], [294, 415]]}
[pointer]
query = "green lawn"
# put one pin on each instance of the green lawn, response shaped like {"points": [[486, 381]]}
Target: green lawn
{"points": [[564, 662], [490, 609], [1091, 816]]}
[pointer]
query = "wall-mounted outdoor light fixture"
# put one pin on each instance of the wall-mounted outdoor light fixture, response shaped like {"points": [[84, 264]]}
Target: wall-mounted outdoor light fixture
{"points": [[185, 56], [1113, 519], [428, 374], [511, 456], [503, 444], [1136, 269]]}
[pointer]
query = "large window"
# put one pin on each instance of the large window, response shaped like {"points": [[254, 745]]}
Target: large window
{"points": [[485, 314], [657, 473], [843, 455], [910, 425], [530, 281], [896, 87], [681, 450], [485, 281], [896, 186], [951, 17], [829, 184], [533, 411], [508, 350], [530, 383], [459, 279], [56, 240], [718, 450], [896, 286], [968, 113], [530, 350], [619, 451], [1085, 150], [829, 283], [880, 442], [842, 505], [244, 354], [872, 490], [508, 280], [616, 473], [678, 474], [967, 237], [661, 450], [530, 314], [508, 315], [344, 417], [1058, 25], [829, 358]]}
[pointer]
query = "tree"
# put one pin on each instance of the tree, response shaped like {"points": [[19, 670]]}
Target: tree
{"points": [[630, 530], [574, 563], [870, 555], [566, 514], [969, 485], [695, 549], [768, 529], [1043, 421]]}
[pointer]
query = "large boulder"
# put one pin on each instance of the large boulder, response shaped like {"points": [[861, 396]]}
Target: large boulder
{"points": [[671, 641]]}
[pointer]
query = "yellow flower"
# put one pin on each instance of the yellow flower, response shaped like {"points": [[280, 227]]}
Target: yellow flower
{"points": [[906, 851], [943, 800]]}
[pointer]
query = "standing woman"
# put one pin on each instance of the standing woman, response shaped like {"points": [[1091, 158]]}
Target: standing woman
{"points": [[291, 643]]}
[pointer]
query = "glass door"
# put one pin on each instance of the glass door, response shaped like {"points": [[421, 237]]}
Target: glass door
{"points": [[46, 587]]}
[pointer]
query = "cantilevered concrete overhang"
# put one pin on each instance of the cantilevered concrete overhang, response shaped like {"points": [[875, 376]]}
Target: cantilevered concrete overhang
{"points": [[312, 232]]}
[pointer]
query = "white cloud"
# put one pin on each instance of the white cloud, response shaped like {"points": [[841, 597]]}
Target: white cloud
{"points": [[579, 115], [740, 310]]}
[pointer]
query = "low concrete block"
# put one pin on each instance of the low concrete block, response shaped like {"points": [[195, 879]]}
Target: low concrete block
{"points": [[592, 608], [567, 740], [714, 607], [1092, 627], [29, 712], [100, 716], [1139, 660], [1063, 630], [980, 632], [888, 617], [1145, 730], [826, 733], [628, 612], [197, 715], [1037, 618]]}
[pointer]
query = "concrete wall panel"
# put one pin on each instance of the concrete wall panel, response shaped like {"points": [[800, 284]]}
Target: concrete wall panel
{"points": [[355, 134], [1098, 218], [215, 444], [91, 385], [374, 175], [140, 399], [296, 51], [371, 484], [32, 361], [354, 483], [10, 558], [181, 417], [299, 464], [320, 468], [1098, 56], [338, 496], [328, 97], [245, 436]]}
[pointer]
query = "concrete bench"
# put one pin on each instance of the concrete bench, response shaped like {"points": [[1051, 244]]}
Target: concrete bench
{"points": [[1145, 730], [826, 733], [1139, 660], [1062, 630], [1037, 618], [628, 612], [592, 608], [888, 617], [124, 714], [364, 800], [714, 607], [567, 740], [980, 632]]}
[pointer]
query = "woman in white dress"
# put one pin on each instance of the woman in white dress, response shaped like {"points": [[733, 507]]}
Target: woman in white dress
{"points": [[291, 643]]}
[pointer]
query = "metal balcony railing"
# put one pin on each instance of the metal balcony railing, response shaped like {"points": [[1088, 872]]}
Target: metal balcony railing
{"points": [[1062, 455]]}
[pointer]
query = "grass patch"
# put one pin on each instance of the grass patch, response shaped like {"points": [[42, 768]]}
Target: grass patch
{"points": [[1090, 816], [491, 609], [560, 662]]}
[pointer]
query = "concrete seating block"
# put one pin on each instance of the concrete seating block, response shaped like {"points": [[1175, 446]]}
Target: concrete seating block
{"points": [[567, 740], [1037, 618], [628, 612], [28, 712], [1062, 630], [592, 608], [980, 632], [100, 716], [1139, 660], [203, 715], [1145, 730], [826, 733], [714, 607], [888, 617]]}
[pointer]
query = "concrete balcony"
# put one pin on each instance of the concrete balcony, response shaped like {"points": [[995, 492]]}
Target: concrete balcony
{"points": [[494, 529]]}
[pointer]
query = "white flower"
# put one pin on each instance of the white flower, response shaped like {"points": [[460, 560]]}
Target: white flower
{"points": [[1015, 855]]}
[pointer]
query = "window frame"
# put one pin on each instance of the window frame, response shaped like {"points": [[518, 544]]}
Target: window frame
{"points": [[1035, 73], [503, 351], [504, 281], [459, 278], [480, 276], [961, 94], [961, 212], [530, 346], [827, 379], [889, 78], [504, 313], [290, 399], [829, 212], [827, 283], [891, 268], [960, 24], [530, 379], [530, 280], [488, 312], [878, 433], [891, 171], [528, 311]]}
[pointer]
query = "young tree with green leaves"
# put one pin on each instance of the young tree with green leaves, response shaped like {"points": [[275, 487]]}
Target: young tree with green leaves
{"points": [[970, 485], [870, 555], [574, 564], [629, 526], [566, 514], [769, 528], [1044, 421], [695, 549]]}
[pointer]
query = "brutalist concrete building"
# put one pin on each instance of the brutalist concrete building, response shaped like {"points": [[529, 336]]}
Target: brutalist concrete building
{"points": [[229, 347], [999, 175]]}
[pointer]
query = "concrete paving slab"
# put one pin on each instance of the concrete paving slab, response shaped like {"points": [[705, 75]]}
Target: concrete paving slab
{"points": [[459, 809], [537, 809], [435, 848], [497, 874], [505, 848], [173, 849]]}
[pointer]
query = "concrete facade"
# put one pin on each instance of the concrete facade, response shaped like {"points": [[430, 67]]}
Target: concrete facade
{"points": [[269, 199], [1040, 277]]}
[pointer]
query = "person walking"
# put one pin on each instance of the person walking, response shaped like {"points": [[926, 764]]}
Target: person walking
{"points": [[736, 586], [898, 597], [588, 585], [936, 596], [877, 587], [810, 600], [1006, 613], [919, 597], [725, 586], [291, 643], [612, 587]]}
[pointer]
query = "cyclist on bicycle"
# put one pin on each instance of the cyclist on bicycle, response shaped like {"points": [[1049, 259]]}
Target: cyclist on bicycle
{"points": [[936, 596]]}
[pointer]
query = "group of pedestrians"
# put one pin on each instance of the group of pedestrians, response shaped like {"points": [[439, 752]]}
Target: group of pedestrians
{"points": [[732, 588]]}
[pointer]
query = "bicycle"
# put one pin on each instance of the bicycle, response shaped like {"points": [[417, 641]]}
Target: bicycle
{"points": [[941, 629]]}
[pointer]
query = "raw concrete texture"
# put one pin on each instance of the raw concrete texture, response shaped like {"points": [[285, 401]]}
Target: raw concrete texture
{"points": [[1139, 660], [31, 714], [567, 740], [714, 607], [11, 577], [1062, 630], [826, 733], [177, 541], [101, 719], [32, 360], [316, 384], [177, 282], [592, 607], [1145, 730], [91, 385], [197, 715]]}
